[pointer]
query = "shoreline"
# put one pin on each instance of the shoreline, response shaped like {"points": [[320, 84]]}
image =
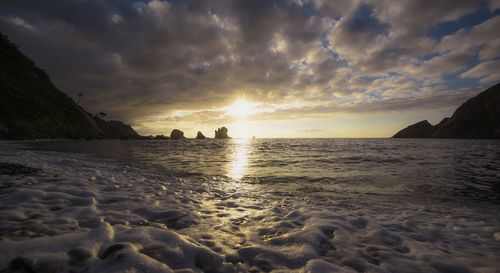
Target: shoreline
{"points": [[80, 215]]}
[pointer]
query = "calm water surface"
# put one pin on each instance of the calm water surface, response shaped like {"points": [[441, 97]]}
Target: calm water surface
{"points": [[424, 167]]}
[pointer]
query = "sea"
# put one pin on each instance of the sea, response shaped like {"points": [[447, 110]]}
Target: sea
{"points": [[254, 205], [448, 168]]}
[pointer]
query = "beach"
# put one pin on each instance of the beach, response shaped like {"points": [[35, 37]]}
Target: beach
{"points": [[302, 136], [77, 214]]}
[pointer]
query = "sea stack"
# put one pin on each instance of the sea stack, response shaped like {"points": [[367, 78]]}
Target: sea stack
{"points": [[221, 133], [199, 135], [177, 134]]}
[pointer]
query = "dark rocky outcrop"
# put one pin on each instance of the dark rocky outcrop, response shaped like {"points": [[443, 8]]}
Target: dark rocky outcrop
{"points": [[32, 107], [422, 129], [221, 133], [177, 134], [441, 124], [478, 117], [16, 169], [116, 129], [199, 135], [163, 137]]}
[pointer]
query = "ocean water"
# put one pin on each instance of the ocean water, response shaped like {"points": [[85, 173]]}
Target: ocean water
{"points": [[420, 167], [262, 205]]}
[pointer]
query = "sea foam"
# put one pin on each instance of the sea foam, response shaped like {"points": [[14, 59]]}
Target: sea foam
{"points": [[78, 215]]}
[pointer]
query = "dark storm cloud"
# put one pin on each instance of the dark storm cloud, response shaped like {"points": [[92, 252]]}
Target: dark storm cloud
{"points": [[144, 60]]}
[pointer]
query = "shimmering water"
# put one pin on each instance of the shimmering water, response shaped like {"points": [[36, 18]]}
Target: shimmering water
{"points": [[447, 168], [265, 205]]}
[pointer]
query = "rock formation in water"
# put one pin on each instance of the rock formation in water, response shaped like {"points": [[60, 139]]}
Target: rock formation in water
{"points": [[199, 135], [177, 134], [162, 137], [221, 133], [32, 107], [478, 117]]}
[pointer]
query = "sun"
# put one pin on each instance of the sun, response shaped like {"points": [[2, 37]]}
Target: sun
{"points": [[240, 109]]}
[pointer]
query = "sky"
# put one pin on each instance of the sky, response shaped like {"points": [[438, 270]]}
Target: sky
{"points": [[283, 68]]}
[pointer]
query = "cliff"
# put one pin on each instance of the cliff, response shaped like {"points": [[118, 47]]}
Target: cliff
{"points": [[478, 117], [31, 107]]}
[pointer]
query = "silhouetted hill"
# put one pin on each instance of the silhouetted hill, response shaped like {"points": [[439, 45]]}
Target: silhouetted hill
{"points": [[32, 107], [478, 117], [422, 129], [116, 129]]}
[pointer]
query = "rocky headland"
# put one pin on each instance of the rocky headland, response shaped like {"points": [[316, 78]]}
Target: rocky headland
{"points": [[478, 117], [31, 107]]}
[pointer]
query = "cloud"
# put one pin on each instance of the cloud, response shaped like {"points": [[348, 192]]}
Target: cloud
{"points": [[441, 65], [147, 61], [351, 34], [482, 37], [413, 16], [494, 4], [488, 72]]}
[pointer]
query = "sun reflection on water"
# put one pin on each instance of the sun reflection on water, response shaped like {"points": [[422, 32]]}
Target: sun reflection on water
{"points": [[239, 158]]}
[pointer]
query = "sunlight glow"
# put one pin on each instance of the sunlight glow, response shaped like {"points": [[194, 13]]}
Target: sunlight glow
{"points": [[240, 109], [239, 160]]}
